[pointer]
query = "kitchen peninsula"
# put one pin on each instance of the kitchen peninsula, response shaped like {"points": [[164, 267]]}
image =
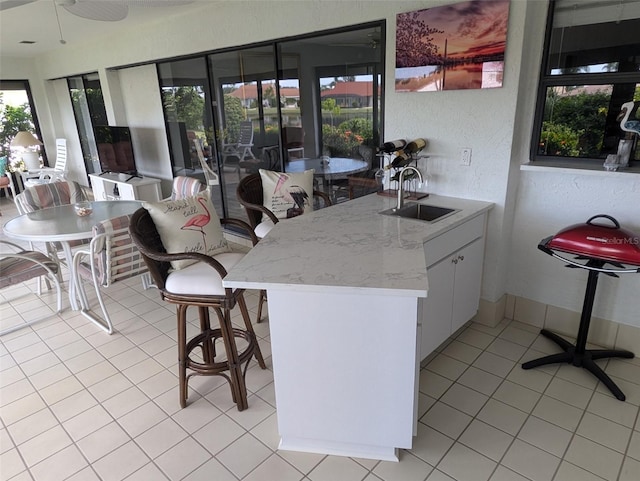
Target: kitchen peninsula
{"points": [[351, 315]]}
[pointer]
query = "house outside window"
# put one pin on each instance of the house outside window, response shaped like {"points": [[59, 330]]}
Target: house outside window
{"points": [[590, 69]]}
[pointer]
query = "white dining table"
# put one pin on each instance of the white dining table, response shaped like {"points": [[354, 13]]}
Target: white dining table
{"points": [[328, 169], [62, 224]]}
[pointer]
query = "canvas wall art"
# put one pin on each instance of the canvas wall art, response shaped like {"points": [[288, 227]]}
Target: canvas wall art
{"points": [[457, 46]]}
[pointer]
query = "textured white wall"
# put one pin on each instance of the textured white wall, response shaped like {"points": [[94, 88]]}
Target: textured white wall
{"points": [[550, 201], [495, 123]]}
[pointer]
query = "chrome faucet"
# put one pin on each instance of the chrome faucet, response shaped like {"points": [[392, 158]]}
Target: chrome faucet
{"points": [[401, 183]]}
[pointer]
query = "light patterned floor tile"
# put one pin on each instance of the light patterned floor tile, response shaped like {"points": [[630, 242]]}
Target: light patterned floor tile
{"points": [[274, 468], [464, 399], [182, 459], [464, 464], [605, 432], [531, 462], [447, 420], [336, 467], [546, 436], [410, 468], [244, 455], [61, 465], [31, 426], [133, 393], [122, 462], [103, 441], [486, 440], [612, 409], [160, 438], [594, 458], [571, 472], [502, 416]]}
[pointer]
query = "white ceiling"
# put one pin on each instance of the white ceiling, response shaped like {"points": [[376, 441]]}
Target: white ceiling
{"points": [[36, 21]]}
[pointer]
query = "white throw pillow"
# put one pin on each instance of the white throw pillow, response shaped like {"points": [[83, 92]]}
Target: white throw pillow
{"points": [[287, 195], [188, 225]]}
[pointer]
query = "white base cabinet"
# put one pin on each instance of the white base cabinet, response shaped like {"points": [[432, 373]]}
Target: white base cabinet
{"points": [[454, 267], [121, 187]]}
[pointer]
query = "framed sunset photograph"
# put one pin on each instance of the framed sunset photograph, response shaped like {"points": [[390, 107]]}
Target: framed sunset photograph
{"points": [[457, 46]]}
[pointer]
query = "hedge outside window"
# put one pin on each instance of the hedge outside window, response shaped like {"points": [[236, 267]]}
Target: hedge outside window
{"points": [[591, 66]]}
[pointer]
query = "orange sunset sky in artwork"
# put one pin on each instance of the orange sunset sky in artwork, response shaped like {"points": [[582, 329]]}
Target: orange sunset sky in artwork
{"points": [[470, 28]]}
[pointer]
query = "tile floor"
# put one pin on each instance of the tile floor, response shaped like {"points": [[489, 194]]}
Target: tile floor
{"points": [[77, 404]]}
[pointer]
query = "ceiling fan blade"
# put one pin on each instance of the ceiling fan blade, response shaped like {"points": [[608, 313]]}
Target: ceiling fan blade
{"points": [[104, 11], [7, 4]]}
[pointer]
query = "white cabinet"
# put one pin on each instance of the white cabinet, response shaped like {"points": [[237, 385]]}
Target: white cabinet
{"points": [[122, 187], [454, 268]]}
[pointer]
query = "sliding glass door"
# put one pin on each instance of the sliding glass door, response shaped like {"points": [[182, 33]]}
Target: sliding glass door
{"points": [[245, 113], [265, 105]]}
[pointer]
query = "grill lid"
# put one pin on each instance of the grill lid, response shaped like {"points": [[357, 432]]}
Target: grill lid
{"points": [[597, 241]]}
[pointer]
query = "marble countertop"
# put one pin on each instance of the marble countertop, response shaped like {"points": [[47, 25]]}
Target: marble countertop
{"points": [[349, 246]]}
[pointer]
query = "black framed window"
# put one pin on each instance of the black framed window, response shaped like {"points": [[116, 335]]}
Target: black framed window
{"points": [[89, 111], [591, 67]]}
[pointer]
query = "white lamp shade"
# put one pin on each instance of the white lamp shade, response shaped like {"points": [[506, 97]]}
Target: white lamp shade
{"points": [[25, 139]]}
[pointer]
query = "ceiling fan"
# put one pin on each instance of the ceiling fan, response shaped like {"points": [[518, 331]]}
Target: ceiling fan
{"points": [[102, 10]]}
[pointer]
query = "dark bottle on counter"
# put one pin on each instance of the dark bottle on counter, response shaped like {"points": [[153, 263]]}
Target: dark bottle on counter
{"points": [[402, 159], [415, 146], [393, 146]]}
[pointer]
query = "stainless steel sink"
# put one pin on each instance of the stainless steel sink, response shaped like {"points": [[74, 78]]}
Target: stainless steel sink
{"points": [[424, 212]]}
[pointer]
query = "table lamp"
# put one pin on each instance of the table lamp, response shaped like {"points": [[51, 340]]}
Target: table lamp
{"points": [[30, 155]]}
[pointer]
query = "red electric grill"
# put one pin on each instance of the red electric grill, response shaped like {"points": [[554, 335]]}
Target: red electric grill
{"points": [[595, 246]]}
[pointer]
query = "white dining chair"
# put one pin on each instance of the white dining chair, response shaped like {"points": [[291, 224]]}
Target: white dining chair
{"points": [[52, 174], [112, 257]]}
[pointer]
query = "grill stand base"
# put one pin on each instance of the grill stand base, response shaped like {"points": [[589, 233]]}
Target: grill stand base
{"points": [[577, 354]]}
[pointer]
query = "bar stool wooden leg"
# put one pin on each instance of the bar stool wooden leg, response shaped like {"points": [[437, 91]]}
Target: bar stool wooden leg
{"points": [[249, 327], [238, 386], [181, 314], [208, 346]]}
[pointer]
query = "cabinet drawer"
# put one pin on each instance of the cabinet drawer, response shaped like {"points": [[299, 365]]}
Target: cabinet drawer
{"points": [[452, 240]]}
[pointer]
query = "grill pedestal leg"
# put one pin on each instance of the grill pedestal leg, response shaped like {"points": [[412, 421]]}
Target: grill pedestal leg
{"points": [[577, 354]]}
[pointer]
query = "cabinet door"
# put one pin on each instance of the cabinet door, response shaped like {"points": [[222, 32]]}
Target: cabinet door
{"points": [[468, 278], [127, 191], [436, 308]]}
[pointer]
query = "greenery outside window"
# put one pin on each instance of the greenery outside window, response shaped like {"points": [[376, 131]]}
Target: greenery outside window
{"points": [[591, 67]]}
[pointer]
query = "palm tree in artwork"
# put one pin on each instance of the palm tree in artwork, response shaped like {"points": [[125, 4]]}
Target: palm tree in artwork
{"points": [[198, 222]]}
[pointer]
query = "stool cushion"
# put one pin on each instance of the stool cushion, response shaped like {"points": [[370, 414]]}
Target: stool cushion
{"points": [[201, 279], [287, 194], [188, 225]]}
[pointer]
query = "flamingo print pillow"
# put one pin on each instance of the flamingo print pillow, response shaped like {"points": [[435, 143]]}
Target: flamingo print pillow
{"points": [[287, 195], [188, 225]]}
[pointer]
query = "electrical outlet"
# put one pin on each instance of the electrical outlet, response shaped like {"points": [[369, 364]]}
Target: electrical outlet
{"points": [[465, 156]]}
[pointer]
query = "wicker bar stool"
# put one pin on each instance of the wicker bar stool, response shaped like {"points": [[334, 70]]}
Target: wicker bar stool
{"points": [[200, 280]]}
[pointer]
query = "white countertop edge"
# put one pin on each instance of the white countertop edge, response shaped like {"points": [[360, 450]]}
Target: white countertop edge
{"points": [[374, 291]]}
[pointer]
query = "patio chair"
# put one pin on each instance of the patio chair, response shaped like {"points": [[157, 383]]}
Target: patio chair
{"points": [[185, 187], [199, 284], [210, 176], [250, 194], [42, 196], [52, 174], [241, 149], [23, 265], [112, 257], [294, 142]]}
